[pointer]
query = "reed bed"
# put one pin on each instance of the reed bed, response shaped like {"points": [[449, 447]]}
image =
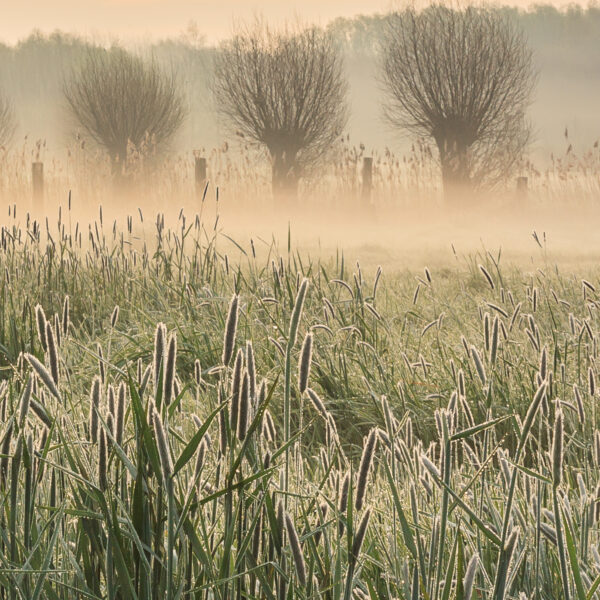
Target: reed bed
{"points": [[242, 174], [175, 423]]}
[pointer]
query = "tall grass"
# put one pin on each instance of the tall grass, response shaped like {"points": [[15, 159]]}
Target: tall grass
{"points": [[243, 175], [163, 449]]}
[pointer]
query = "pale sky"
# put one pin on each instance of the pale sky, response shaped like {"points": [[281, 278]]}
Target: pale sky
{"points": [[137, 19], [162, 18]]}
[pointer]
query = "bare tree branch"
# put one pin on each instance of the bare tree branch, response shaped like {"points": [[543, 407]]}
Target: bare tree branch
{"points": [[285, 91], [122, 101], [463, 77]]}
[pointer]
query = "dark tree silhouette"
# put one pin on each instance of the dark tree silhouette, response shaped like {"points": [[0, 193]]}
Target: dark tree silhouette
{"points": [[285, 91], [123, 102], [463, 78], [7, 122]]}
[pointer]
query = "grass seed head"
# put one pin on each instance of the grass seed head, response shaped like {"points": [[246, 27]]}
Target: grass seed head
{"points": [[244, 407], [65, 316], [366, 463], [317, 403], [251, 368], [159, 354], [94, 408], [114, 317], [557, 448], [359, 537], [305, 361], [163, 446], [169, 372], [44, 375], [25, 401], [296, 550], [230, 330], [40, 318], [102, 462]]}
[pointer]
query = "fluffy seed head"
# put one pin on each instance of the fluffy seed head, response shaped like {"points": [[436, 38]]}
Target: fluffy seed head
{"points": [[359, 537], [101, 365], [430, 466], [322, 512], [200, 460], [579, 403], [57, 330], [110, 394], [25, 401], [461, 383], [297, 313], [543, 363], [495, 339], [478, 365], [487, 276], [230, 330], [243, 407], [343, 500], [43, 374], [366, 462], [261, 396], [305, 361], [145, 379], [169, 372], [163, 446], [251, 368], [269, 427], [296, 550], [222, 432], [197, 372], [40, 413], [65, 317], [317, 403], [94, 407], [120, 414], [280, 525], [236, 382], [102, 462], [5, 451], [40, 318], [470, 572], [159, 353], [114, 317], [557, 448]]}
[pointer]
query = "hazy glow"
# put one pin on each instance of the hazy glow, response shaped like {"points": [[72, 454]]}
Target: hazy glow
{"points": [[128, 19], [161, 18]]}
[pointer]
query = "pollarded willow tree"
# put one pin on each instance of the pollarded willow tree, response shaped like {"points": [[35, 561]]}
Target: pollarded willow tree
{"points": [[285, 91], [124, 103], [462, 77]]}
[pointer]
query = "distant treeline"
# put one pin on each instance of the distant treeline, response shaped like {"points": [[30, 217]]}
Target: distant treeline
{"points": [[565, 42]]}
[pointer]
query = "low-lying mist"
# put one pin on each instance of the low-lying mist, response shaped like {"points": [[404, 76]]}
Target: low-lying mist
{"points": [[423, 232]]}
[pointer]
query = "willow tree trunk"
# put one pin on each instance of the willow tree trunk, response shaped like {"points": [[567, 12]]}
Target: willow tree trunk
{"points": [[284, 178], [456, 178], [118, 168]]}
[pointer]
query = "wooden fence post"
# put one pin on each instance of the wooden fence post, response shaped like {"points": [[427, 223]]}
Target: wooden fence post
{"points": [[37, 180], [367, 177], [200, 174]]}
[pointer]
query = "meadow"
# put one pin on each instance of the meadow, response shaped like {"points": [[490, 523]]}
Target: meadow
{"points": [[187, 417], [291, 366]]}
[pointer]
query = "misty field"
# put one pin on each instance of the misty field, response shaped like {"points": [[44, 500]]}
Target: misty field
{"points": [[176, 423]]}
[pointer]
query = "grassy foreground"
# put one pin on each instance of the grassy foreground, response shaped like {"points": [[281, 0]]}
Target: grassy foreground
{"points": [[177, 424]]}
